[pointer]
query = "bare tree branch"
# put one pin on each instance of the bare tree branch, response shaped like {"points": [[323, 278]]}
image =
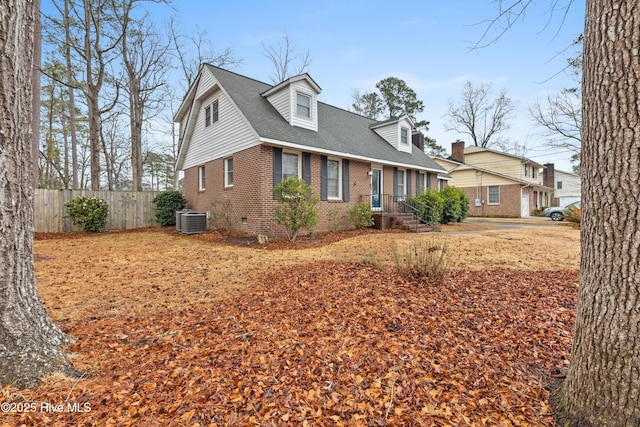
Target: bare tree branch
{"points": [[286, 61]]}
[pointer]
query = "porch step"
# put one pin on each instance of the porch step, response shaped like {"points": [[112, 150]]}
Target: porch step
{"points": [[406, 222]]}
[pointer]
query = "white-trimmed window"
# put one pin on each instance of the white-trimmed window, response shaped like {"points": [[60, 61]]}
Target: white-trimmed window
{"points": [[334, 176], [401, 184], [228, 172], [211, 113], [559, 185], [303, 105], [290, 165], [404, 136], [201, 176], [420, 183], [214, 111], [493, 194], [526, 169]]}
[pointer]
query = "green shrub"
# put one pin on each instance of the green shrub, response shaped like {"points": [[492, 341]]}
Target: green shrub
{"points": [[167, 203], [424, 260], [361, 215], [429, 204], [88, 212], [456, 205], [296, 208]]}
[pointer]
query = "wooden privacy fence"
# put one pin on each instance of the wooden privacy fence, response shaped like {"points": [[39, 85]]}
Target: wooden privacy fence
{"points": [[127, 209]]}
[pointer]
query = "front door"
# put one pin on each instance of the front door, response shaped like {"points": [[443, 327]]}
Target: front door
{"points": [[376, 189], [525, 204]]}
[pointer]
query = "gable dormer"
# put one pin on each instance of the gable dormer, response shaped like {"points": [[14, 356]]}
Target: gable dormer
{"points": [[296, 99], [396, 132]]}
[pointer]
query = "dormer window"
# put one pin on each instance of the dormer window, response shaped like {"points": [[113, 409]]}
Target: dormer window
{"points": [[303, 107], [404, 136]]}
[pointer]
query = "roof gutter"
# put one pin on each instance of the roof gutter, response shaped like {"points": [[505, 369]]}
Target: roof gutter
{"points": [[301, 147]]}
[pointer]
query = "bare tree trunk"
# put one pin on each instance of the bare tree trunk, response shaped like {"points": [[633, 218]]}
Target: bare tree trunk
{"points": [[35, 123], [29, 342], [603, 383], [72, 102]]}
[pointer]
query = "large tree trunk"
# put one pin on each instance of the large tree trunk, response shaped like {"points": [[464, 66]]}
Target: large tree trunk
{"points": [[602, 387], [29, 342]]}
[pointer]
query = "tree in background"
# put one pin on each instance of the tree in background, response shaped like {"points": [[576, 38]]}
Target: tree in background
{"points": [[479, 115], [30, 344], [394, 100], [146, 64], [191, 50], [601, 386], [368, 104], [561, 114], [286, 60]]}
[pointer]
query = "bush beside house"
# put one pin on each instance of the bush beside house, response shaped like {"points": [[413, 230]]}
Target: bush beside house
{"points": [[167, 203]]}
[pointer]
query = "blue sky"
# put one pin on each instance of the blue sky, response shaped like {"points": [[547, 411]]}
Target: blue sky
{"points": [[355, 44]]}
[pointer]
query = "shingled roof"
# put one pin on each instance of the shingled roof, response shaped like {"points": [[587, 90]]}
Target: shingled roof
{"points": [[339, 131]]}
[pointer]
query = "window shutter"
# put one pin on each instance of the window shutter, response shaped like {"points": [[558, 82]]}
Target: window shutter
{"points": [[428, 180], [277, 167], [306, 168], [408, 182], [395, 184], [345, 180], [323, 178]]}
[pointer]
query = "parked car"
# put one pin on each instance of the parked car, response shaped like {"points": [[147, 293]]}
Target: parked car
{"points": [[556, 213]]}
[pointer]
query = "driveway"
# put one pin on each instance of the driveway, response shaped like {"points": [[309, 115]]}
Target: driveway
{"points": [[489, 224]]}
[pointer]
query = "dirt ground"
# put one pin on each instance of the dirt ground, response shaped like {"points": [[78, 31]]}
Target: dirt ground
{"points": [[158, 270]]}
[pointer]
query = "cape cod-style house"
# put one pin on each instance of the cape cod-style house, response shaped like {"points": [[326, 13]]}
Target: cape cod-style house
{"points": [[239, 137]]}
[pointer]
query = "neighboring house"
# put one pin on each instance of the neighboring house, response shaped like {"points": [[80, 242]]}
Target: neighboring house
{"points": [[496, 183], [567, 185], [239, 138]]}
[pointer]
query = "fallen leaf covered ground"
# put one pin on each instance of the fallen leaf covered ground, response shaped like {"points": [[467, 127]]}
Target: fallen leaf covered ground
{"points": [[303, 339]]}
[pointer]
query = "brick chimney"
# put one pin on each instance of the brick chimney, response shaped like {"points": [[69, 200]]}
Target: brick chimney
{"points": [[418, 140], [457, 151], [549, 175]]}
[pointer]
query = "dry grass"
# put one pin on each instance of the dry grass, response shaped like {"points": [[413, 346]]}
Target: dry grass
{"points": [[133, 274]]}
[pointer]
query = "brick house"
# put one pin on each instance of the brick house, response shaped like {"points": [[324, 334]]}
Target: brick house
{"points": [[497, 183], [567, 185], [238, 138]]}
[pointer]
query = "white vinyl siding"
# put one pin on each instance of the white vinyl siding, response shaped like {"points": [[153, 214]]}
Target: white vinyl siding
{"points": [[389, 134], [302, 88], [392, 133], [281, 103], [231, 134]]}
